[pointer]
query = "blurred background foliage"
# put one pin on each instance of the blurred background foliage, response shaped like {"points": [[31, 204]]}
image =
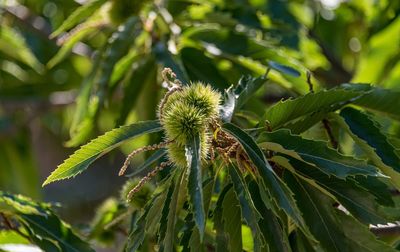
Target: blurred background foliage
{"points": [[65, 79]]}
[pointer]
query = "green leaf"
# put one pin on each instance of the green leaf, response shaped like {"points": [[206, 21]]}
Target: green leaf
{"points": [[166, 59], [272, 231], [249, 211], [70, 41], [53, 229], [324, 101], [317, 153], [368, 130], [221, 237], [284, 69], [360, 202], [377, 99], [361, 239], [201, 68], [165, 220], [318, 212], [118, 46], [78, 15], [43, 226], [88, 153], [328, 225], [83, 120], [277, 189], [193, 158], [231, 217], [236, 97], [13, 44], [140, 76], [369, 143], [191, 237], [137, 235], [24, 205], [172, 212]]}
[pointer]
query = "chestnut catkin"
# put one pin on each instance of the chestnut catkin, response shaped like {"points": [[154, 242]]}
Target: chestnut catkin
{"points": [[185, 113]]}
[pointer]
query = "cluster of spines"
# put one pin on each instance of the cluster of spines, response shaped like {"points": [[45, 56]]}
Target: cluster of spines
{"points": [[188, 112], [184, 112]]}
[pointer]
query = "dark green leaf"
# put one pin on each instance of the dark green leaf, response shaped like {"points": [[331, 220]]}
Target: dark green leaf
{"points": [[360, 202], [221, 236], [368, 130], [78, 15], [231, 217], [166, 59], [193, 158], [324, 101], [87, 154], [51, 228], [277, 189], [273, 234], [46, 229], [14, 45], [142, 74], [329, 226], [318, 153], [172, 212], [249, 211], [360, 238], [143, 224], [201, 68], [370, 151], [378, 99]]}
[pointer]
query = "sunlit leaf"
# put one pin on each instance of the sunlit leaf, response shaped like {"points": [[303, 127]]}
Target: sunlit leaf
{"points": [[78, 15], [87, 154]]}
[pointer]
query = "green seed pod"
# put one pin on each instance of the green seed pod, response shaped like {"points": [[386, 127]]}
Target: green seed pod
{"points": [[187, 112], [141, 197]]}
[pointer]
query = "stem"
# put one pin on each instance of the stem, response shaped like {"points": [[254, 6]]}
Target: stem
{"points": [[328, 130]]}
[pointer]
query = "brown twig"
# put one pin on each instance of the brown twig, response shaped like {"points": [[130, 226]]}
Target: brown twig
{"points": [[328, 130]]}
